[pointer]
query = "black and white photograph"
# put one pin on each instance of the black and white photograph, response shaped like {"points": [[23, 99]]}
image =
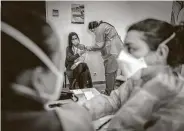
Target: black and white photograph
{"points": [[92, 65], [77, 13]]}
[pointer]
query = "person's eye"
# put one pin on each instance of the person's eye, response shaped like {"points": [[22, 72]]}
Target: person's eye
{"points": [[132, 50], [126, 44]]}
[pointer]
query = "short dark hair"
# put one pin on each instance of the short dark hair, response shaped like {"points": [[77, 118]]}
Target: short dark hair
{"points": [[93, 25], [156, 31]]}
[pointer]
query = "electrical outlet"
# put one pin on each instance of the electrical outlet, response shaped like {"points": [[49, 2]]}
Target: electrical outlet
{"points": [[94, 73]]}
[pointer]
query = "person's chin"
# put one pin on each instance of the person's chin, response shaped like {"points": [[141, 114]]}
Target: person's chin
{"points": [[137, 75]]}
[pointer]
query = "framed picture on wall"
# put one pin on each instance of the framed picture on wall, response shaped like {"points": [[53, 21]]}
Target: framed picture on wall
{"points": [[55, 13], [77, 12]]}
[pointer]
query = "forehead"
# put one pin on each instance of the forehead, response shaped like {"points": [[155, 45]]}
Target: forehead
{"points": [[74, 36], [134, 36], [135, 43]]}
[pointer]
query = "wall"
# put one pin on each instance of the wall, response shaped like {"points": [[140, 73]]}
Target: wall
{"points": [[120, 14]]}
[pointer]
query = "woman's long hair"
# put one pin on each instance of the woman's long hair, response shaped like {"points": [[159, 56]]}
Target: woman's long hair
{"points": [[70, 44]]}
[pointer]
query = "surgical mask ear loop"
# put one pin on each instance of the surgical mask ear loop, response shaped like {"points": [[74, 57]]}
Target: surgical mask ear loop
{"points": [[168, 39], [30, 45]]}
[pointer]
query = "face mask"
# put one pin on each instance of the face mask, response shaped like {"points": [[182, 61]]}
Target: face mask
{"points": [[31, 46], [75, 42], [130, 66]]}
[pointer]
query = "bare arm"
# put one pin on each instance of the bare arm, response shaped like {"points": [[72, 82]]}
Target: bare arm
{"points": [[96, 47]]}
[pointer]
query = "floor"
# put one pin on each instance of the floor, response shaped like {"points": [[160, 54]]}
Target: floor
{"points": [[99, 87]]}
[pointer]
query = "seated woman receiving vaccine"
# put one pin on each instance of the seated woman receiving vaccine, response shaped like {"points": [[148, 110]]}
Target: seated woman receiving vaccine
{"points": [[76, 69], [152, 97]]}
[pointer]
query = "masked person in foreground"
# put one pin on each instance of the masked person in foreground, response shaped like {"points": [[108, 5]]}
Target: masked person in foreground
{"points": [[152, 99], [109, 43], [32, 75]]}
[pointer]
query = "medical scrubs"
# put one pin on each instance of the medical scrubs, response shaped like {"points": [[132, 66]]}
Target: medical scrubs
{"points": [[107, 34]]}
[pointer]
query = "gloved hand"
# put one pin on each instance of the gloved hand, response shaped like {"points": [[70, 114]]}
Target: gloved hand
{"points": [[164, 86], [88, 48]]}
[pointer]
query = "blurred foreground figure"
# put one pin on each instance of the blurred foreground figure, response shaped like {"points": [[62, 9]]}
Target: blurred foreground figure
{"points": [[32, 75]]}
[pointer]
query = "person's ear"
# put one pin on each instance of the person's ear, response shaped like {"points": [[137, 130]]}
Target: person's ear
{"points": [[36, 79], [44, 81], [162, 53]]}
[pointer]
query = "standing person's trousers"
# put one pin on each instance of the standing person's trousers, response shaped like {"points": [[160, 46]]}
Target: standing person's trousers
{"points": [[111, 67], [110, 82]]}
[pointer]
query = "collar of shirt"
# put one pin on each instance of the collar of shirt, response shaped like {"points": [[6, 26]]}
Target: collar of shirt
{"points": [[74, 50]]}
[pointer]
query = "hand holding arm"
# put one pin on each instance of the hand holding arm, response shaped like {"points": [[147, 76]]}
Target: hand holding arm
{"points": [[96, 47]]}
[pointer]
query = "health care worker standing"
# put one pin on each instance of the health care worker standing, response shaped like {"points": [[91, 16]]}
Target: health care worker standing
{"points": [[109, 43]]}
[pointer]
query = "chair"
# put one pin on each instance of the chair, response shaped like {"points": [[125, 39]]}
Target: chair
{"points": [[64, 82]]}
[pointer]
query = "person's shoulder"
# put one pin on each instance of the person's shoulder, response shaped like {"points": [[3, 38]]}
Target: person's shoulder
{"points": [[127, 85], [104, 24], [68, 48]]}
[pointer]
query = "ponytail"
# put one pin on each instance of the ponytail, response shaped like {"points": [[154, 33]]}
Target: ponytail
{"points": [[95, 24], [179, 30], [176, 55], [105, 22]]}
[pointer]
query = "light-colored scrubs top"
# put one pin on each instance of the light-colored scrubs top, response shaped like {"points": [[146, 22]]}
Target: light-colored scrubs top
{"points": [[107, 34]]}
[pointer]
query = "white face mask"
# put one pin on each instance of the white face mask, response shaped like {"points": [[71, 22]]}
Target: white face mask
{"points": [[75, 42], [31, 46], [130, 65]]}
